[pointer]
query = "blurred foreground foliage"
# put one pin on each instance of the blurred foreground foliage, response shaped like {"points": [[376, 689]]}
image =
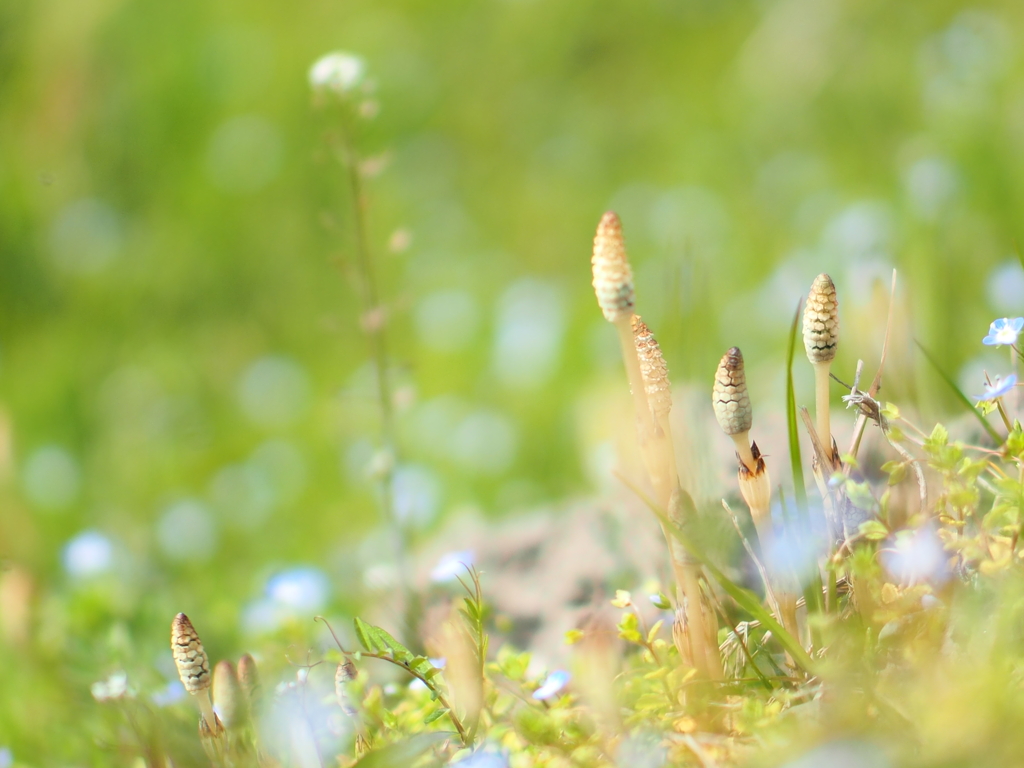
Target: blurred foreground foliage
{"points": [[187, 417]]}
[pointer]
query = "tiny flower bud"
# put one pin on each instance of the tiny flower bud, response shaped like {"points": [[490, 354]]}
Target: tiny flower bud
{"points": [[821, 321], [755, 486], [338, 72], [680, 639], [249, 678], [229, 698], [345, 673], [189, 656], [208, 733], [613, 278], [653, 368], [731, 401]]}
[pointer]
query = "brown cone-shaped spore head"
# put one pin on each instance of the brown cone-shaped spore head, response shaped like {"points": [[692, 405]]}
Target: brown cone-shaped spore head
{"points": [[653, 368], [189, 656], [730, 398], [613, 278], [821, 320]]}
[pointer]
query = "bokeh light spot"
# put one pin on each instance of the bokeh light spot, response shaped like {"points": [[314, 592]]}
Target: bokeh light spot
{"points": [[85, 236], [274, 391], [90, 553], [244, 154], [51, 478], [186, 531]]}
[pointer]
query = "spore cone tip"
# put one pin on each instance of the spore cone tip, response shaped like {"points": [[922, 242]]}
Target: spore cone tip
{"points": [[821, 320], [729, 396], [613, 278], [653, 368], [189, 656]]}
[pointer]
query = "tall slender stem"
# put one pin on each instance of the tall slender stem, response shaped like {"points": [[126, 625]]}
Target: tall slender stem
{"points": [[821, 412], [375, 326]]}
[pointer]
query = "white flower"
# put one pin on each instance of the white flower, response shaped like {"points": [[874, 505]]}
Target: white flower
{"points": [[114, 687], [338, 72]]}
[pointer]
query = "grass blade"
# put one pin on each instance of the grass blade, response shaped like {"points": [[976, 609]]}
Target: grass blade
{"points": [[794, 435], [404, 753], [744, 598], [812, 592], [960, 395]]}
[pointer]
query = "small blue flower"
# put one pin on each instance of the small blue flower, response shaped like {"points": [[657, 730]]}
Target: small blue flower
{"points": [[452, 565], [419, 685], [485, 757], [998, 388], [1004, 331], [555, 682], [173, 692]]}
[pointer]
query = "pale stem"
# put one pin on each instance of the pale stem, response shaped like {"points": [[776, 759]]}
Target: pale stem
{"points": [[742, 442], [206, 709], [624, 326], [763, 525], [659, 457], [824, 427], [704, 656], [1014, 363], [379, 353]]}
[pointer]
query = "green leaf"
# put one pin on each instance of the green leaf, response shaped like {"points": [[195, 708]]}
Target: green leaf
{"points": [[897, 471], [364, 641], [939, 436], [832, 602], [796, 464], [960, 395], [437, 714], [860, 494], [422, 665], [873, 530], [404, 753], [812, 592], [744, 598], [654, 631], [377, 640], [629, 628]]}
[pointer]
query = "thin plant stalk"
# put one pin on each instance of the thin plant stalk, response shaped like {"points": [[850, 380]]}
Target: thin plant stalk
{"points": [[375, 324], [876, 384], [821, 406], [647, 375], [821, 337], [390, 659], [659, 456], [735, 416]]}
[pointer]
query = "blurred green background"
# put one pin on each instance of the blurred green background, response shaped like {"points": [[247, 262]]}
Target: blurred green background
{"points": [[187, 403]]}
